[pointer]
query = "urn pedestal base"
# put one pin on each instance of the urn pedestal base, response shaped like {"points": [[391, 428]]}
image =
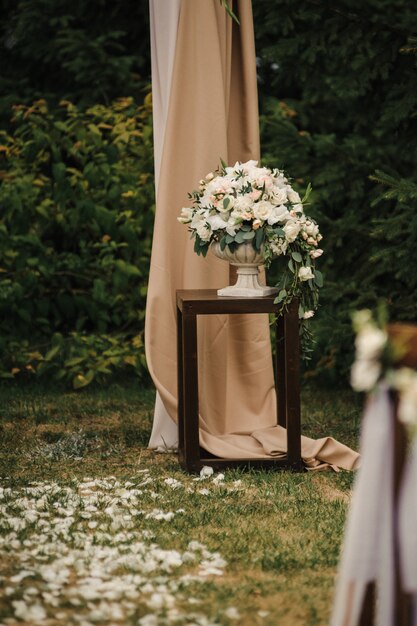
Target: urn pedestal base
{"points": [[247, 261], [247, 284]]}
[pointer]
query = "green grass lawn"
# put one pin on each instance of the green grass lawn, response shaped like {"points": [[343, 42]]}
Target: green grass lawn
{"points": [[96, 529]]}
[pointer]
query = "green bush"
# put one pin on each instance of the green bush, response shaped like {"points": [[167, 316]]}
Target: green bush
{"points": [[338, 95], [87, 52], [76, 204]]}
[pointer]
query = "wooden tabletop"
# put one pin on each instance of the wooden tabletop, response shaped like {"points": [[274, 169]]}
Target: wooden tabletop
{"points": [[206, 302]]}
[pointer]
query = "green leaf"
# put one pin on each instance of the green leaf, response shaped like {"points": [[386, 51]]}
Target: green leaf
{"points": [[291, 266], [239, 237], [249, 235], [318, 278], [307, 193], [281, 295], [297, 257], [259, 237], [52, 352], [226, 202]]}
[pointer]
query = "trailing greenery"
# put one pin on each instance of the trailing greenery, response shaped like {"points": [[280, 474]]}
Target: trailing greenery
{"points": [[75, 233], [338, 95]]}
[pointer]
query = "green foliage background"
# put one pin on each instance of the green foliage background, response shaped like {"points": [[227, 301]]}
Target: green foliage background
{"points": [[338, 93], [338, 103]]}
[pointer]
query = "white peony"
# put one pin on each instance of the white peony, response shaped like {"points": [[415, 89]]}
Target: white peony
{"points": [[305, 273], [216, 222], [242, 204], [291, 230]]}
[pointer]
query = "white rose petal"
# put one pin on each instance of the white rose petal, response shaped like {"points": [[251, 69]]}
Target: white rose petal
{"points": [[206, 471]]}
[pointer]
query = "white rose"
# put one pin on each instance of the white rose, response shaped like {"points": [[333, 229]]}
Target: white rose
{"points": [[293, 196], [364, 375], [291, 229], [370, 342], [262, 210], [203, 231], [305, 273], [278, 214], [186, 215], [279, 195]]}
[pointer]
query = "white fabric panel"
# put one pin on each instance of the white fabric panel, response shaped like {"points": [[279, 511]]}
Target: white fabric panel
{"points": [[368, 548], [164, 16]]}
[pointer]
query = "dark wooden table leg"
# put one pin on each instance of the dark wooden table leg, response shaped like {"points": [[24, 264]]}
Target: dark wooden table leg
{"points": [[190, 392], [280, 371], [367, 615], [292, 384], [180, 387]]}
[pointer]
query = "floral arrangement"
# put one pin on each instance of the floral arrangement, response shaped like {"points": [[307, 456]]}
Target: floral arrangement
{"points": [[378, 358], [248, 203]]}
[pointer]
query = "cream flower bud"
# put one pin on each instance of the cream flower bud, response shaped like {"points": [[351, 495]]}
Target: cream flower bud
{"points": [[305, 273]]}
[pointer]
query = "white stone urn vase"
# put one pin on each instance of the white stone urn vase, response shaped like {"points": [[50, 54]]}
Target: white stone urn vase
{"points": [[247, 260]]}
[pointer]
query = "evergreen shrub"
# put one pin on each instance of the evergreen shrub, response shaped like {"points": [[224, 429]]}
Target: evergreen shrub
{"points": [[76, 200], [338, 100]]}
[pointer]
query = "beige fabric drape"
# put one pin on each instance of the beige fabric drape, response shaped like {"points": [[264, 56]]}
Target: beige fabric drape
{"points": [[210, 112]]}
